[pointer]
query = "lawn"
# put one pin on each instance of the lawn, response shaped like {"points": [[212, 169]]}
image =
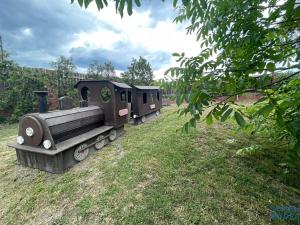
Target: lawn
{"points": [[151, 175]]}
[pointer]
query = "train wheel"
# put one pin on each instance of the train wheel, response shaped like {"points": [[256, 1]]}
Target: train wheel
{"points": [[81, 152], [143, 119], [112, 135], [101, 142], [157, 113]]}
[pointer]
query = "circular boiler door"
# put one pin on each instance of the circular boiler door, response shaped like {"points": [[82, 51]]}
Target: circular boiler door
{"points": [[31, 131]]}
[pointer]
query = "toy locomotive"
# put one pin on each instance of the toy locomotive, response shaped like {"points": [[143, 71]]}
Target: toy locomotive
{"points": [[55, 141]]}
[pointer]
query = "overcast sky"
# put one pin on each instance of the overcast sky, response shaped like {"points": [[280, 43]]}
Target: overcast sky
{"points": [[36, 32]]}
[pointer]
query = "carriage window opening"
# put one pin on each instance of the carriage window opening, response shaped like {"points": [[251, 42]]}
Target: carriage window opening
{"points": [[105, 94], [123, 96], [151, 97], [157, 95], [129, 96], [85, 93], [144, 98]]}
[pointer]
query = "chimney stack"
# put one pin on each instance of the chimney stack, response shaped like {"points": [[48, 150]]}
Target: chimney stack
{"points": [[43, 105]]}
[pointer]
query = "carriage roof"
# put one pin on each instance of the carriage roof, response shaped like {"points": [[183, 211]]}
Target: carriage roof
{"points": [[117, 84]]}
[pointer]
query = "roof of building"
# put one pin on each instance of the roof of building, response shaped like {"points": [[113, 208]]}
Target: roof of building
{"points": [[117, 84], [122, 85], [146, 87]]}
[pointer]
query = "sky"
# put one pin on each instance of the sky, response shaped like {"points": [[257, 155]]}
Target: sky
{"points": [[36, 32]]}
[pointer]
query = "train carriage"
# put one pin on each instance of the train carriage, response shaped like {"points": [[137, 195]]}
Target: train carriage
{"points": [[146, 101]]}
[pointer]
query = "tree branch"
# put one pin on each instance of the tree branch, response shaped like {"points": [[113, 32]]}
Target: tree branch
{"points": [[251, 90], [244, 70], [269, 6], [283, 79], [289, 43], [285, 21]]}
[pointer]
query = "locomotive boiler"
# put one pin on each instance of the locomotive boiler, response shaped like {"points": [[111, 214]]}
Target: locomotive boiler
{"points": [[55, 141]]}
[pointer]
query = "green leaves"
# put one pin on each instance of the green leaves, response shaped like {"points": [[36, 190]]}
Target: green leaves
{"points": [[261, 100], [289, 6], [193, 122], [80, 2], [238, 41], [137, 2], [185, 2], [179, 99], [100, 4], [226, 115], [176, 54], [120, 6], [239, 119], [209, 118], [129, 7], [271, 66], [297, 12], [138, 73], [87, 2], [266, 110], [186, 127], [252, 150], [175, 3], [203, 4]]}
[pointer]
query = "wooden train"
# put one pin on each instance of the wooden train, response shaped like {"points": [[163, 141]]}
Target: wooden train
{"points": [[55, 141]]}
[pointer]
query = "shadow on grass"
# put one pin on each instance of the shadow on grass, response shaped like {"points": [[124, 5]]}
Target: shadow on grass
{"points": [[271, 160]]}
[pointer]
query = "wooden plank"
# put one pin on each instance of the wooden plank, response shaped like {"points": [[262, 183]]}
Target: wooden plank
{"points": [[81, 138], [73, 117], [65, 144], [58, 113]]}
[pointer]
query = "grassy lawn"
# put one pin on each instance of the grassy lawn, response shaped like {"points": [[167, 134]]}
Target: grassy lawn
{"points": [[152, 175]]}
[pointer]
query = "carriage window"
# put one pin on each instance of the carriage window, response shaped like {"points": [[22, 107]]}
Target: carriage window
{"points": [[85, 93], [151, 97], [144, 98], [105, 94], [158, 95], [123, 96], [129, 96]]}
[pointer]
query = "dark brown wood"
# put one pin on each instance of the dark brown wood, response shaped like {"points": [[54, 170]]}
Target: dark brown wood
{"points": [[66, 144], [112, 107], [73, 133], [52, 164], [60, 125], [65, 103], [33, 123], [153, 104], [59, 162]]}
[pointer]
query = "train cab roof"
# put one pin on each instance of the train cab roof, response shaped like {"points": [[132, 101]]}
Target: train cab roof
{"points": [[117, 84], [146, 87]]}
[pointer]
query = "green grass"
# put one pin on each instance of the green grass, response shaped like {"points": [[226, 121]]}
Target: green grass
{"points": [[152, 175], [7, 131]]}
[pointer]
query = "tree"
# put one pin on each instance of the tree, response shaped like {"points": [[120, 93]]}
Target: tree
{"points": [[64, 68], [16, 90], [97, 71], [139, 72], [5, 64], [239, 39], [108, 70]]}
